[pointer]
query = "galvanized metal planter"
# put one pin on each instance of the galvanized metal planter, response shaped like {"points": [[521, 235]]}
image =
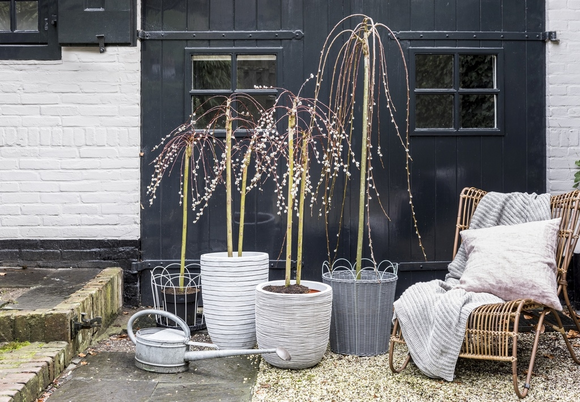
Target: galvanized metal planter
{"points": [[299, 323], [362, 310], [229, 296]]}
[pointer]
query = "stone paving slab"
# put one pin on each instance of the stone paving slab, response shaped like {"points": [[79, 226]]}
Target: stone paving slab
{"points": [[113, 376]]}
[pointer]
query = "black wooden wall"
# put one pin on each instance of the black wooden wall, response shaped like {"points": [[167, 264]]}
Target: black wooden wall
{"points": [[443, 164]]}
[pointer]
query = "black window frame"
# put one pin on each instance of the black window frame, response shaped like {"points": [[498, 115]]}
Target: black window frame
{"points": [[34, 45], [456, 91], [233, 52]]}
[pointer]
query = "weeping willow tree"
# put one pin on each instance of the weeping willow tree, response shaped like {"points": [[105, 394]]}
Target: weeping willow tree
{"points": [[349, 54], [206, 160], [310, 135]]}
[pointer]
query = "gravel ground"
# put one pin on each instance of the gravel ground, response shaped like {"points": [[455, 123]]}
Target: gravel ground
{"points": [[349, 378]]}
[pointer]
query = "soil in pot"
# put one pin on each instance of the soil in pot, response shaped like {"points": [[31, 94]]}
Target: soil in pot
{"points": [[292, 289], [299, 323]]}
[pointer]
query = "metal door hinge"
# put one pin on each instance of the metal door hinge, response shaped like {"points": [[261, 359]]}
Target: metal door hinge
{"points": [[475, 35], [221, 35], [551, 36]]}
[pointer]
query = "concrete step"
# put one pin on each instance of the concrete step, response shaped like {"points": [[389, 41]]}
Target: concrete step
{"points": [[61, 297]]}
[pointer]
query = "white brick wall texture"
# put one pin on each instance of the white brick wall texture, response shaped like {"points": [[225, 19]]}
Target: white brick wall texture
{"points": [[69, 146], [563, 94]]}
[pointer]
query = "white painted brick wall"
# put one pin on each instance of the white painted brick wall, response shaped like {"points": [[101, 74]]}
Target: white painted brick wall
{"points": [[563, 94], [69, 146]]}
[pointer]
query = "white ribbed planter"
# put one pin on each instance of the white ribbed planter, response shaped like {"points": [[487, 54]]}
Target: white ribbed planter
{"points": [[228, 285], [300, 323]]}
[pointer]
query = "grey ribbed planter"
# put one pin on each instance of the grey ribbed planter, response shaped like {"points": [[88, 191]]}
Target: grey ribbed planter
{"points": [[229, 285], [362, 310], [299, 323]]}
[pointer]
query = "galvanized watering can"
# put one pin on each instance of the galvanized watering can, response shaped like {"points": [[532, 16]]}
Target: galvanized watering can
{"points": [[165, 350]]}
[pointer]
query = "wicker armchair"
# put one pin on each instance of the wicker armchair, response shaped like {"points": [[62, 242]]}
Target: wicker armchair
{"points": [[492, 330]]}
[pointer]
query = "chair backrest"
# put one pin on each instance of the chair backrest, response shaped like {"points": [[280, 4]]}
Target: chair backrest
{"points": [[565, 206]]}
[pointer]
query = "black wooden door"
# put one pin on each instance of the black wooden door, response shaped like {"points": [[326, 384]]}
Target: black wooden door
{"points": [[466, 58]]}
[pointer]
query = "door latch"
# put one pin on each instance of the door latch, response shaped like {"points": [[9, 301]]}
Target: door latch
{"points": [[101, 40], [84, 323]]}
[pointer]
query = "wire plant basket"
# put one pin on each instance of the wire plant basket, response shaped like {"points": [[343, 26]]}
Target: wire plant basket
{"points": [[344, 269], [184, 302], [362, 309]]}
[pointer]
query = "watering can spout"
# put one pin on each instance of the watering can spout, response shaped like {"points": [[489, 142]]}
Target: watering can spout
{"points": [[210, 354]]}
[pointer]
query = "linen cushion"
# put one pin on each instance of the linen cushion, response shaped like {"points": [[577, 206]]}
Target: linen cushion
{"points": [[513, 262]]}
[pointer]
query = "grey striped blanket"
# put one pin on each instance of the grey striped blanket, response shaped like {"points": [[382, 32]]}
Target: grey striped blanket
{"points": [[433, 314]]}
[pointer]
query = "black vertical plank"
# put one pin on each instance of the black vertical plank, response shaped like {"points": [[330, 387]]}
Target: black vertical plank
{"points": [[292, 72], [424, 178], [173, 115], [492, 147], [446, 197], [316, 25], [152, 16], [245, 18], [422, 15], [535, 118], [402, 241], [469, 161], [445, 15], [536, 104], [516, 138], [269, 14], [535, 15], [493, 170], [152, 111], [443, 191], [514, 16], [468, 15], [399, 14], [198, 15], [174, 16], [198, 12], [491, 15], [221, 17], [245, 15], [291, 77], [469, 157], [400, 232], [269, 18]]}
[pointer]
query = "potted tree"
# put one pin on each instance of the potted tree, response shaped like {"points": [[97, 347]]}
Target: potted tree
{"points": [[229, 278], [206, 161], [296, 314], [364, 289]]}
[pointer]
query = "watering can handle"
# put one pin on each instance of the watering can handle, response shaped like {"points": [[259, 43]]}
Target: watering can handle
{"points": [[162, 313]]}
